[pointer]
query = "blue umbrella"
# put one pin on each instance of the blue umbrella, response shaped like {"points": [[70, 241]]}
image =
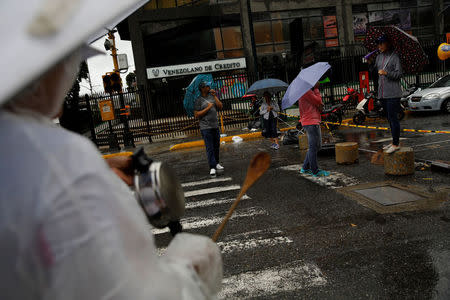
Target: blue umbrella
{"points": [[267, 85], [192, 92], [304, 81]]}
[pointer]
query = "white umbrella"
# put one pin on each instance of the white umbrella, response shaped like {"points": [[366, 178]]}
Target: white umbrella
{"points": [[304, 81], [37, 34]]}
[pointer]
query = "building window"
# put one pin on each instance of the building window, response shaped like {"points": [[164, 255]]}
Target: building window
{"points": [[228, 42], [157, 4], [415, 17]]}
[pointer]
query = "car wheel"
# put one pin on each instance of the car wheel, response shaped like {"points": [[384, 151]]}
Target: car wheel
{"points": [[445, 107], [359, 118], [401, 115]]}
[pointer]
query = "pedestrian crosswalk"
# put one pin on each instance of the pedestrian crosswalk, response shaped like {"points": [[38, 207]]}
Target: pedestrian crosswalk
{"points": [[207, 202], [334, 181], [285, 278]]}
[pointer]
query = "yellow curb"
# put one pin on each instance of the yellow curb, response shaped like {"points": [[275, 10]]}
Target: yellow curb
{"points": [[117, 154], [201, 143], [286, 129]]}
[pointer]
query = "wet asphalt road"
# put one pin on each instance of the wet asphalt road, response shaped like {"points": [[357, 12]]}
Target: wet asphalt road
{"points": [[295, 238]]}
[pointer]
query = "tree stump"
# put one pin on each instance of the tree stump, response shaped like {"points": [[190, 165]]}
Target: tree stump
{"points": [[303, 142], [400, 162], [346, 153]]}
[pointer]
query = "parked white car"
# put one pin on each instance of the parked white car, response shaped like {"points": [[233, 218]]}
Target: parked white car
{"points": [[435, 97]]}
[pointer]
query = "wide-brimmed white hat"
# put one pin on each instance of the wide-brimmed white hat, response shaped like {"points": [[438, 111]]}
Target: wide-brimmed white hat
{"points": [[37, 34]]}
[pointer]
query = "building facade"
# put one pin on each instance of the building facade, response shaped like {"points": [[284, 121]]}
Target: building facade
{"points": [[266, 38]]}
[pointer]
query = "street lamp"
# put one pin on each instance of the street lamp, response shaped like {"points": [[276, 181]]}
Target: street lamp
{"points": [[284, 55]]}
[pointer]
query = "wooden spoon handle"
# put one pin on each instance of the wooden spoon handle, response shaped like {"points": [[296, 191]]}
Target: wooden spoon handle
{"points": [[229, 214]]}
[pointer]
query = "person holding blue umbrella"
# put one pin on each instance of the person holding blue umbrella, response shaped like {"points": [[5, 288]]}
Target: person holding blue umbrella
{"points": [[205, 109]]}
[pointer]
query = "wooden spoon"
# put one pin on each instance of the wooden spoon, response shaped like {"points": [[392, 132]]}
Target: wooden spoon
{"points": [[258, 166]]}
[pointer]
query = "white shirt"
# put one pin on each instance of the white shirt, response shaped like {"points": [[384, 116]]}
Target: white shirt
{"points": [[264, 110], [70, 228]]}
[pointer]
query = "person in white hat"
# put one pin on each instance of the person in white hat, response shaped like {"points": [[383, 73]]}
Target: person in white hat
{"points": [[70, 228]]}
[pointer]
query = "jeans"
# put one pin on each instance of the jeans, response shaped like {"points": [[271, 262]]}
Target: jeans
{"points": [[212, 142], [314, 145], [392, 108]]}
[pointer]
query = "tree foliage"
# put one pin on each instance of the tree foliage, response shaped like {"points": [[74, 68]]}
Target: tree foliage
{"points": [[71, 111], [131, 79]]}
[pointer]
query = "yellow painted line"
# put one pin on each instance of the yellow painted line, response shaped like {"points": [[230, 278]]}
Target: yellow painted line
{"points": [[118, 154], [385, 128], [227, 139]]}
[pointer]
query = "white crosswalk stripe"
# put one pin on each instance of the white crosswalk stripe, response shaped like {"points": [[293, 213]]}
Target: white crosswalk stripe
{"points": [[213, 190], [199, 222], [207, 181], [212, 202], [286, 278], [334, 181]]}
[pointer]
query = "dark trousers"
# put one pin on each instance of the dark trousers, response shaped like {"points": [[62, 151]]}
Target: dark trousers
{"points": [[212, 143], [314, 145], [392, 108]]}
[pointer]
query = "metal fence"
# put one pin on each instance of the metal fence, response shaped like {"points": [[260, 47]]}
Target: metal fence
{"points": [[162, 116], [158, 116]]}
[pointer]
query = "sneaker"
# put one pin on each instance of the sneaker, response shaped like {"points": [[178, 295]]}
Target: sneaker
{"points": [[272, 146], [308, 172], [322, 173], [219, 167], [276, 146], [385, 147], [392, 149], [212, 173]]}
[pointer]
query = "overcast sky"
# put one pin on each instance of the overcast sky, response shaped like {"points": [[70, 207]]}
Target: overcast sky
{"points": [[100, 64]]}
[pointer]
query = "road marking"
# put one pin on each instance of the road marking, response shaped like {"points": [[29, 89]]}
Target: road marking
{"points": [[200, 222], [290, 277], [212, 180], [334, 181], [244, 241], [241, 245], [438, 142], [212, 202], [253, 239], [386, 140], [212, 190]]}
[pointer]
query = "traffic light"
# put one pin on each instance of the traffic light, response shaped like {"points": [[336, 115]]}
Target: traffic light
{"points": [[112, 82], [116, 82], [107, 83]]}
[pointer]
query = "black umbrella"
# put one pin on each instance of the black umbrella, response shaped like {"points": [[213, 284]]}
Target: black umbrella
{"points": [[408, 48]]}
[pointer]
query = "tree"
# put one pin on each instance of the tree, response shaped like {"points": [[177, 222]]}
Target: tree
{"points": [[72, 117], [131, 81]]}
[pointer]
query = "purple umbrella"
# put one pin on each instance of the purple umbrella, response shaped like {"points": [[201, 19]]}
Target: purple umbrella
{"points": [[304, 81]]}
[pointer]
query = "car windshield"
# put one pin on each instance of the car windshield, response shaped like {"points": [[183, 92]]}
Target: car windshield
{"points": [[443, 82]]}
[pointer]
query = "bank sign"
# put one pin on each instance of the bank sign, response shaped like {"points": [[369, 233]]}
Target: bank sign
{"points": [[196, 68]]}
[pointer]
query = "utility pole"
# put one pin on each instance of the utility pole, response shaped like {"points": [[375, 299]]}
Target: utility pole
{"points": [[128, 140], [114, 50]]}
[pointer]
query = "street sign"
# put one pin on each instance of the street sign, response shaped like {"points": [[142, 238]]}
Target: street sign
{"points": [[122, 61], [106, 110]]}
